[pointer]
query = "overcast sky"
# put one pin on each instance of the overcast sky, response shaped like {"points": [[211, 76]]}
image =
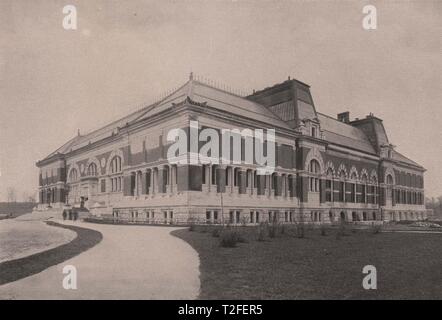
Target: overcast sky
{"points": [[54, 81]]}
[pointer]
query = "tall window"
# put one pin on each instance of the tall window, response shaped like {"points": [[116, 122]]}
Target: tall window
{"points": [[352, 197], [329, 186], [274, 181], [375, 190], [73, 175], [92, 169], [214, 167], [255, 179], [116, 178], [203, 173], [389, 185], [314, 170], [364, 188], [236, 177], [341, 186]]}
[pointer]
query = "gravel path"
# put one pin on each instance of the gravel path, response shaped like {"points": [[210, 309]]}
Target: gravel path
{"points": [[131, 262]]}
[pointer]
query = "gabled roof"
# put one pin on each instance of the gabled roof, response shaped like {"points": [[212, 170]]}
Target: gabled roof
{"points": [[218, 99], [344, 134], [401, 158], [64, 148], [96, 135], [196, 91]]}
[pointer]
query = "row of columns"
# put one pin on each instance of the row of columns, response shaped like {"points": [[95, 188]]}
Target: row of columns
{"points": [[162, 179], [241, 180], [51, 195]]}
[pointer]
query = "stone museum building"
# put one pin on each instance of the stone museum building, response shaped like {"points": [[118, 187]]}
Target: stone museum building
{"points": [[327, 169]]}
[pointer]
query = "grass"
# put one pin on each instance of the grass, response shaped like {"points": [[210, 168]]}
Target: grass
{"points": [[24, 267], [325, 263]]}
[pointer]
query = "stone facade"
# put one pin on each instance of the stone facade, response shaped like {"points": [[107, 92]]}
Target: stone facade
{"points": [[326, 170]]}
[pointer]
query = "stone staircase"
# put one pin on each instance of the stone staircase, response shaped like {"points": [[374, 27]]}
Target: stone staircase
{"points": [[41, 215]]}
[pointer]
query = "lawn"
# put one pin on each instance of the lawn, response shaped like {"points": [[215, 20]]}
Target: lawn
{"points": [[13, 270], [318, 266]]}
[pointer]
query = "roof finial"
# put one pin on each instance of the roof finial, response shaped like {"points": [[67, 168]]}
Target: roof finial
{"points": [[191, 76], [78, 131]]}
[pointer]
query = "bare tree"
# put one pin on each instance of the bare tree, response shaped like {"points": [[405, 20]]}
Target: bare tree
{"points": [[12, 194], [31, 199], [440, 204]]}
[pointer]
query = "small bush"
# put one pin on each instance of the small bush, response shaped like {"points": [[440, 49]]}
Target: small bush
{"points": [[272, 230], [300, 230], [282, 229], [342, 230], [261, 233], [323, 230], [216, 232], [229, 238], [376, 228]]}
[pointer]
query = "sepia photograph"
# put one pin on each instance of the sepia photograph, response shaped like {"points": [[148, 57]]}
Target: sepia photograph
{"points": [[203, 151]]}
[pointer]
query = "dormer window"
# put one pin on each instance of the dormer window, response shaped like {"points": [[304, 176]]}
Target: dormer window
{"points": [[314, 132]]}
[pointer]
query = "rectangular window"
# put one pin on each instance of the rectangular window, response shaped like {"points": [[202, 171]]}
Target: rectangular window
{"points": [[103, 185], [208, 214], [328, 191], [214, 175]]}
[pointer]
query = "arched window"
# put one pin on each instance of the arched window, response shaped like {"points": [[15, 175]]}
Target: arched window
{"points": [[314, 166], [364, 180], [389, 182], [73, 175], [342, 216], [92, 169], [314, 169], [116, 165], [353, 192], [115, 168]]}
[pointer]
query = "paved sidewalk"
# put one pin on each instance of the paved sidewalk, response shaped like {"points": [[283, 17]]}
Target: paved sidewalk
{"points": [[131, 262]]}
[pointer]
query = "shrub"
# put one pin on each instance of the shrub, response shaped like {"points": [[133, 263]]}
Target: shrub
{"points": [[272, 230], [261, 233], [216, 232], [300, 230], [323, 229], [376, 228], [342, 230], [192, 226], [229, 238], [282, 229]]}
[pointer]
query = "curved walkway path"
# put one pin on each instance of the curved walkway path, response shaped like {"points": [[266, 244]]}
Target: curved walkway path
{"points": [[131, 262]]}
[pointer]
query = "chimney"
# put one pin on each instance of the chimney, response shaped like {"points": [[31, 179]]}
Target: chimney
{"points": [[344, 117]]}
